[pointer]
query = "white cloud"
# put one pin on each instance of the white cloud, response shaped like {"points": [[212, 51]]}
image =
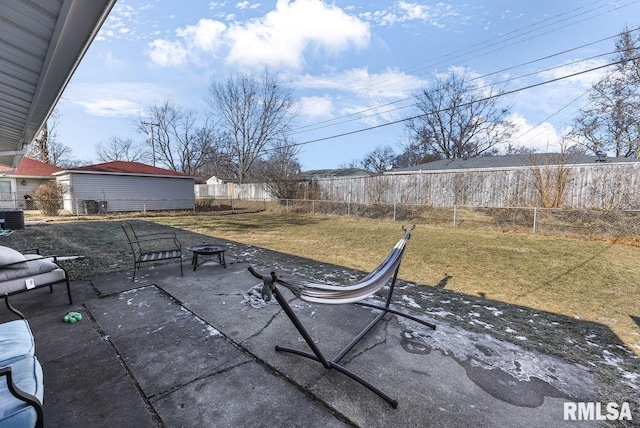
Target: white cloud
{"points": [[166, 53], [205, 35], [121, 23], [109, 107], [391, 84], [402, 12], [369, 98], [110, 99], [544, 137], [413, 10], [584, 80], [316, 107], [278, 39], [247, 5]]}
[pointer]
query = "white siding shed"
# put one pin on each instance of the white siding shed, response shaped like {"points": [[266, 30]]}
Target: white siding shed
{"points": [[125, 186]]}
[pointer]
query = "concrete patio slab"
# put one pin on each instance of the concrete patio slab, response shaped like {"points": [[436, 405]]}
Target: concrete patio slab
{"points": [[170, 351]]}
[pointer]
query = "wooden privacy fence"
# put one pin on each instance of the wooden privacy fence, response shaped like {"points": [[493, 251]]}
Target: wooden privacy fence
{"points": [[245, 191], [606, 187], [597, 186]]}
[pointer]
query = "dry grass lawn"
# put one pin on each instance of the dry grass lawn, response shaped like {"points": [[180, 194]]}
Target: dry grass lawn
{"points": [[594, 281]]}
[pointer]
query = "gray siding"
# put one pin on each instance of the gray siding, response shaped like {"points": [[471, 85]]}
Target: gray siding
{"points": [[128, 192]]}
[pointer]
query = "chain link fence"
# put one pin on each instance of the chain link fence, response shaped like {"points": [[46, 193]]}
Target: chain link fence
{"points": [[582, 222], [592, 223]]}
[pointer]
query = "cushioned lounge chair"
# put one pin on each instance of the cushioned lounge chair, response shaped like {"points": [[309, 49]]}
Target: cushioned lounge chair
{"points": [[20, 272]]}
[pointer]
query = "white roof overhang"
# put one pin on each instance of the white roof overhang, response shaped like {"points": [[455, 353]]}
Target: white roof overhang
{"points": [[41, 44]]}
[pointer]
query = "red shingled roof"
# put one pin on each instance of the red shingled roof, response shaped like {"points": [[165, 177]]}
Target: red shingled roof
{"points": [[127, 168], [31, 168]]}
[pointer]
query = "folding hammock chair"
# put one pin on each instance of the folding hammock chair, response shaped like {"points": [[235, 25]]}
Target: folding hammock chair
{"points": [[314, 292]]}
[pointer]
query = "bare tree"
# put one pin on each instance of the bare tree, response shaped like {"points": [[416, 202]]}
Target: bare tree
{"points": [[181, 140], [39, 149], [253, 116], [46, 147], [610, 122], [459, 119], [551, 178], [516, 149], [60, 155], [415, 152], [380, 160], [281, 171], [122, 149]]}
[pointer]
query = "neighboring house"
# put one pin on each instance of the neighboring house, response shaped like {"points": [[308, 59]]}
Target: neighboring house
{"points": [[223, 188], [494, 163], [16, 185], [216, 180], [125, 186], [335, 173]]}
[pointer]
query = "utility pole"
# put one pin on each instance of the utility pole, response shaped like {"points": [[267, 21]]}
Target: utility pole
{"points": [[153, 143]]}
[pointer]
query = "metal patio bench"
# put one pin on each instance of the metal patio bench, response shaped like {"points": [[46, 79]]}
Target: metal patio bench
{"points": [[152, 247]]}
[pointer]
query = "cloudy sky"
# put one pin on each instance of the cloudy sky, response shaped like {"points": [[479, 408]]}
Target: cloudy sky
{"points": [[353, 65]]}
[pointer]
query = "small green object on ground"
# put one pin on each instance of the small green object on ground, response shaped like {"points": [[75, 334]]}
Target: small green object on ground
{"points": [[72, 317]]}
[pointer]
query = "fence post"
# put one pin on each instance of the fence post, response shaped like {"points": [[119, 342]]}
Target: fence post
{"points": [[535, 218], [454, 215], [77, 209], [144, 207], [394, 211], [349, 200], [313, 207]]}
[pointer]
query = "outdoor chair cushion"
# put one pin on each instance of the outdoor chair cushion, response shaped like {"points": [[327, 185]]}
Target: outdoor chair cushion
{"points": [[16, 341], [42, 271], [31, 268], [11, 259], [27, 376]]}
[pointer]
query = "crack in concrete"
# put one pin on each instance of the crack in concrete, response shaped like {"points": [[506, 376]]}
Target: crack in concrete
{"points": [[160, 395], [375, 344], [147, 403]]}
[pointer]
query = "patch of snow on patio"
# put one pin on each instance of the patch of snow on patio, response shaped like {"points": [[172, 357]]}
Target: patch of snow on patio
{"points": [[610, 359], [442, 314], [482, 323], [213, 332], [485, 351], [253, 297], [410, 301], [495, 311], [210, 330]]}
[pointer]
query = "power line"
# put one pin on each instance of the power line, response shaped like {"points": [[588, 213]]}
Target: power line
{"points": [[474, 48], [511, 79], [360, 114], [395, 122]]}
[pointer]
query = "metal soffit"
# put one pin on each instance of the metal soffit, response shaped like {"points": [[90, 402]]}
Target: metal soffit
{"points": [[41, 45]]}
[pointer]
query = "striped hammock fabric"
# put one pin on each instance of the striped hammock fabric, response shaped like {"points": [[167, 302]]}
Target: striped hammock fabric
{"points": [[315, 292]]}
